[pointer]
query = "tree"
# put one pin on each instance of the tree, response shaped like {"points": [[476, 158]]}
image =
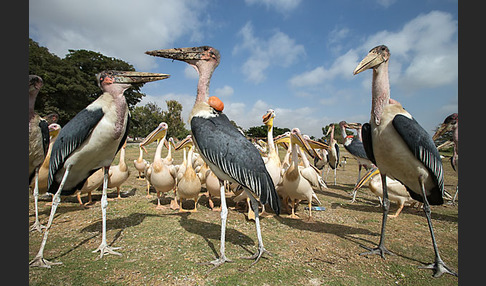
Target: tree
{"points": [[146, 118], [70, 83], [262, 131], [174, 119]]}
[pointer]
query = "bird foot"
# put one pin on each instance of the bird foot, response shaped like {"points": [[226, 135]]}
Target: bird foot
{"points": [[39, 261], [216, 263], [380, 250], [439, 268], [105, 250], [257, 255], [37, 226], [174, 205]]}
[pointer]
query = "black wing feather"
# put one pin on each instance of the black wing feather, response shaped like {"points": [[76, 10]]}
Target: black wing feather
{"points": [[224, 146], [422, 146], [44, 127], [71, 136], [367, 143], [356, 148]]}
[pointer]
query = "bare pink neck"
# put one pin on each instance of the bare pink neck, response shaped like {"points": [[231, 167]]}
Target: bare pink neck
{"points": [[380, 91], [205, 74]]}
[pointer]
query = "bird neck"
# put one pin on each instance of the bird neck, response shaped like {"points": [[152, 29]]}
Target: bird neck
{"points": [[158, 151], [121, 163], [32, 97], [271, 144], [380, 91], [343, 133], [205, 74], [140, 156]]}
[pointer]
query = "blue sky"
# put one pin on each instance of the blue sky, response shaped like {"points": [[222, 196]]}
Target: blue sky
{"points": [[294, 56]]}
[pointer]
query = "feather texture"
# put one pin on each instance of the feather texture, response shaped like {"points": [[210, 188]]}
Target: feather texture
{"points": [[227, 149]]}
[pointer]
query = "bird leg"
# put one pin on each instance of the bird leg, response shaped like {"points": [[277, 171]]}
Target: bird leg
{"points": [[258, 254], [292, 205], [438, 267], [148, 188], [381, 249], [104, 248], [399, 210], [39, 260], [355, 191], [251, 213], [37, 225], [224, 214]]}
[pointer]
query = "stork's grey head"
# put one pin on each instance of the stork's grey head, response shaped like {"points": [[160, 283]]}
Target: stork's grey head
{"points": [[35, 83], [198, 57], [375, 57]]}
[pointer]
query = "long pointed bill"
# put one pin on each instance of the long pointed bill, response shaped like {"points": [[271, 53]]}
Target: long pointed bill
{"points": [[282, 139], [366, 177], [180, 54], [353, 125], [371, 60], [158, 133], [130, 77], [297, 138], [186, 142], [441, 130]]}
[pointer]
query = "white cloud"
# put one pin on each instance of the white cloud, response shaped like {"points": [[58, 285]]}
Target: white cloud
{"points": [[278, 50], [342, 66], [424, 54], [386, 3], [224, 91], [282, 6], [123, 29]]}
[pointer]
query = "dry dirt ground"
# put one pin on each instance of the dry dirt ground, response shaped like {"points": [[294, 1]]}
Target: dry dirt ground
{"points": [[163, 247]]}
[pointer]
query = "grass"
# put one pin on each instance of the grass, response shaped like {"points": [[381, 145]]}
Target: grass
{"points": [[165, 247]]}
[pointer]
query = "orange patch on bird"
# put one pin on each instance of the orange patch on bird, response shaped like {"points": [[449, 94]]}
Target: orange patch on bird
{"points": [[216, 103]]}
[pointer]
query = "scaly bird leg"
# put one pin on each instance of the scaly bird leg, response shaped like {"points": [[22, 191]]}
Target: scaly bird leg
{"points": [[37, 225], [224, 214], [39, 260], [438, 266], [104, 248], [261, 249], [381, 249]]}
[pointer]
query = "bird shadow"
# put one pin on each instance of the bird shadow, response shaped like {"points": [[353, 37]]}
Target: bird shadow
{"points": [[211, 231]]}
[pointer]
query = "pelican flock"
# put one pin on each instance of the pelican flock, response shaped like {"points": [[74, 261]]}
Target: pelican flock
{"points": [[402, 162]]}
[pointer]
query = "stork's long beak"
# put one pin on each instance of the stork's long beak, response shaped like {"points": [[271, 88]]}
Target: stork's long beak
{"points": [[186, 142], [180, 54], [283, 138], [366, 177], [297, 138], [441, 130], [158, 133], [137, 77], [352, 125], [371, 60]]}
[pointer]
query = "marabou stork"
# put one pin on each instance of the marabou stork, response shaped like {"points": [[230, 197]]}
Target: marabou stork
{"points": [[38, 142], [355, 147], [451, 123], [396, 143], [89, 141], [222, 146]]}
